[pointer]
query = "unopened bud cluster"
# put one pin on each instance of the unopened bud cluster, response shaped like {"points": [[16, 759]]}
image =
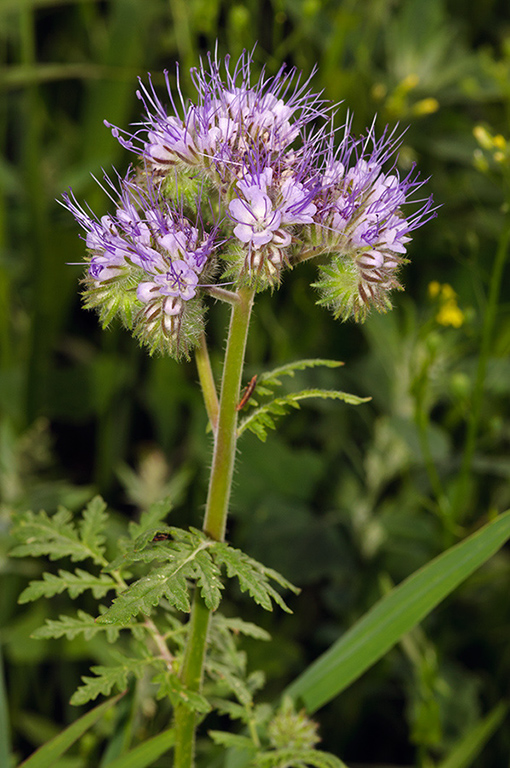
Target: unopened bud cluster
{"points": [[234, 188]]}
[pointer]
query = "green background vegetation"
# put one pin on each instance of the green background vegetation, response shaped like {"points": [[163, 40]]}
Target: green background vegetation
{"points": [[343, 501]]}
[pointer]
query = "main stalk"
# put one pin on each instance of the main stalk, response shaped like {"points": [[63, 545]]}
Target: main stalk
{"points": [[220, 484]]}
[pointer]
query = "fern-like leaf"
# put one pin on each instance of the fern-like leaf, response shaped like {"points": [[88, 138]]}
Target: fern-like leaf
{"points": [[108, 678], [232, 740], [72, 626], [269, 380], [145, 593], [57, 536], [297, 758], [170, 686], [187, 558], [150, 518], [75, 583], [208, 576], [241, 627], [261, 420], [253, 577], [234, 683], [92, 526], [158, 544]]}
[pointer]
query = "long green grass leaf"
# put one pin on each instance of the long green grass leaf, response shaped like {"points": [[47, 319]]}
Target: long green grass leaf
{"points": [[463, 754], [4, 719], [394, 615], [144, 754], [46, 755]]}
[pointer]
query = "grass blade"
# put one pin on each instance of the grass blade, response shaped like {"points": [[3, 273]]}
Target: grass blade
{"points": [[467, 749], [5, 757], [144, 754], [394, 615], [46, 755]]}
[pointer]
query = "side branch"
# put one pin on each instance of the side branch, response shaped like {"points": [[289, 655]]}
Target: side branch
{"points": [[207, 382]]}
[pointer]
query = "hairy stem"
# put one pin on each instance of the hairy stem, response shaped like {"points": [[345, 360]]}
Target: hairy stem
{"points": [[225, 443], [215, 516], [160, 642]]}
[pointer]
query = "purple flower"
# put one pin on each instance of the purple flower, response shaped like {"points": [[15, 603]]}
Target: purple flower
{"points": [[231, 118], [257, 220], [269, 203], [247, 176], [145, 237], [363, 224], [146, 262], [179, 282]]}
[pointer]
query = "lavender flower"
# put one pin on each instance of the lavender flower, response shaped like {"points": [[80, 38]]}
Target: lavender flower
{"points": [[362, 225], [237, 187], [145, 264], [231, 119]]}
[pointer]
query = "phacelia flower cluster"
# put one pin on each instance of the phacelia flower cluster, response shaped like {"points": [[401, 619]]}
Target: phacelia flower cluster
{"points": [[235, 187]]}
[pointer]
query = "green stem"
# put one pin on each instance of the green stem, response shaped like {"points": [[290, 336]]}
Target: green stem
{"points": [[207, 383], [478, 392], [215, 517], [225, 444]]}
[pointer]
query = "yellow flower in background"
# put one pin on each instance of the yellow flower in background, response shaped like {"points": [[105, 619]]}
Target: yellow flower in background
{"points": [[449, 312], [434, 289], [496, 145]]}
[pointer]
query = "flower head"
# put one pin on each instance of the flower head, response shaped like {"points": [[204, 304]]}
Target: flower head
{"points": [[363, 226], [232, 118], [146, 260], [237, 186]]}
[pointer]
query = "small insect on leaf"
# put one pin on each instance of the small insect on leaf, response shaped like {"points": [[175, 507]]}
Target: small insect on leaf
{"points": [[248, 392], [161, 537]]}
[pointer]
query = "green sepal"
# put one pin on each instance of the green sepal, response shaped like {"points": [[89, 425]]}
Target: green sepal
{"points": [[150, 327], [115, 296], [344, 291]]}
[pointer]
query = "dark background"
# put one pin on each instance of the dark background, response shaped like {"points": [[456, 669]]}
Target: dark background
{"points": [[341, 500]]}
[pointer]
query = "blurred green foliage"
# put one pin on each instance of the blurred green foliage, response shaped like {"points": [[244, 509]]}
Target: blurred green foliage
{"points": [[342, 501]]}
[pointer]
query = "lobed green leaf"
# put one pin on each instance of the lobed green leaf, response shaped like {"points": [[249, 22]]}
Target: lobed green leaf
{"points": [[93, 524], [297, 758], [253, 577], [170, 686], [262, 419], [268, 380], [72, 626], [232, 740], [188, 560], [75, 583], [235, 684], [145, 593], [150, 518], [108, 678], [208, 576], [247, 628], [159, 544], [58, 537]]}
